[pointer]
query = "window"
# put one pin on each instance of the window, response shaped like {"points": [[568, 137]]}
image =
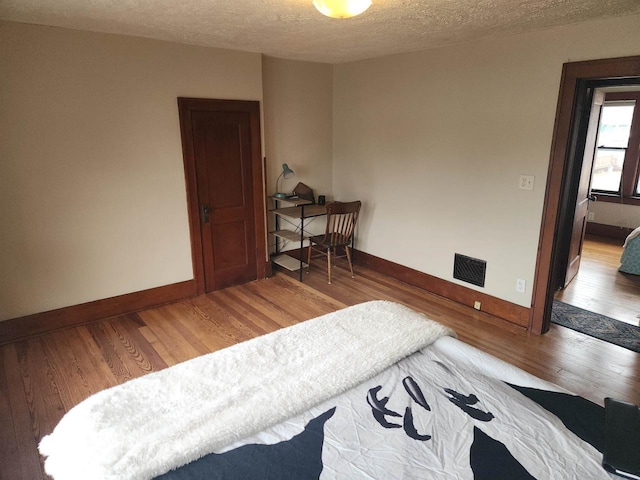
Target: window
{"points": [[615, 171], [613, 141]]}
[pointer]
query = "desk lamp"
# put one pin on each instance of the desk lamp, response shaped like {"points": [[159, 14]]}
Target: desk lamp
{"points": [[286, 173]]}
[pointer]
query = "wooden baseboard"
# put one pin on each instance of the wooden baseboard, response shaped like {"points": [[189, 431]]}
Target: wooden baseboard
{"points": [[610, 231], [268, 269], [39, 323], [511, 312]]}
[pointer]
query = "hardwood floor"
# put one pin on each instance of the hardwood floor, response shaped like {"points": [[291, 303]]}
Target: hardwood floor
{"points": [[599, 286], [41, 378]]}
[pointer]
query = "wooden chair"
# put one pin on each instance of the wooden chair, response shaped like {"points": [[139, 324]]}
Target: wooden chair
{"points": [[341, 223]]}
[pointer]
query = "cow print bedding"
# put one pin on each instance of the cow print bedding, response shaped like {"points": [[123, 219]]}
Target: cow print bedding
{"points": [[427, 416]]}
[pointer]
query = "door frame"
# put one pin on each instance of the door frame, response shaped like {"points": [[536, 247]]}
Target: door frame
{"points": [[185, 106], [574, 76]]}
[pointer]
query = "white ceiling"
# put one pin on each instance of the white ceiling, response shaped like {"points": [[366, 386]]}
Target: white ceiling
{"points": [[295, 29]]}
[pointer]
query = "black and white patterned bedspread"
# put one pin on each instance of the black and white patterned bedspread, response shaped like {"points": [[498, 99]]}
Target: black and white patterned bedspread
{"points": [[424, 417]]}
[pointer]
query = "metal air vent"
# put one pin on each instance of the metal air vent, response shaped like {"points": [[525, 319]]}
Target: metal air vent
{"points": [[468, 269]]}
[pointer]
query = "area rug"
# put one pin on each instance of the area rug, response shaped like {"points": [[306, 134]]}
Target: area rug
{"points": [[596, 325]]}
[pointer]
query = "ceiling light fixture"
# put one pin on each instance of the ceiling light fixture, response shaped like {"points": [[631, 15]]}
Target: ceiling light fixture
{"points": [[341, 8]]}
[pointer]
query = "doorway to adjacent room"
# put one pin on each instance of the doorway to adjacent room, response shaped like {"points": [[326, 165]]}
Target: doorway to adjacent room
{"points": [[579, 82]]}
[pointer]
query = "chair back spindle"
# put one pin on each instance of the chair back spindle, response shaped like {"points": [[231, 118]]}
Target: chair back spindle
{"points": [[341, 222]]}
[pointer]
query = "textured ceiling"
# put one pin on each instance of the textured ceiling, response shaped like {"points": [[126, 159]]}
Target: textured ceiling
{"points": [[294, 29]]}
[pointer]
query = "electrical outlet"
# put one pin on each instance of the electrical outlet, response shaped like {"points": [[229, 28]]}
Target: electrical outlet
{"points": [[591, 216], [526, 182], [477, 305], [520, 285]]}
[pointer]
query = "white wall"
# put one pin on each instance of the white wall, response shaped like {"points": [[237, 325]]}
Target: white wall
{"points": [[298, 126], [92, 197], [298, 122], [606, 213], [92, 189], [434, 142]]}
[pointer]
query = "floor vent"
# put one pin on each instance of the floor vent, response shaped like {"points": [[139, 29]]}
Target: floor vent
{"points": [[468, 269]]}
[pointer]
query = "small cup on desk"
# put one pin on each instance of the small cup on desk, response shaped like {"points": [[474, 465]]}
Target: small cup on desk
{"points": [[321, 200]]}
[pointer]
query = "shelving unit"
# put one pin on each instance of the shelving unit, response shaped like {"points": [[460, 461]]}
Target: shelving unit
{"points": [[296, 212]]}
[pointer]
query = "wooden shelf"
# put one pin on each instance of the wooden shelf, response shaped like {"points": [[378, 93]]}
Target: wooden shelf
{"points": [[296, 212], [294, 216], [289, 235], [288, 262], [292, 199]]}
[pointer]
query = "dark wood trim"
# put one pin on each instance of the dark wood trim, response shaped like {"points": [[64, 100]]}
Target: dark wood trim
{"points": [[185, 105], [193, 207], [609, 231], [508, 311], [615, 68], [609, 198], [268, 269], [259, 191], [45, 322]]}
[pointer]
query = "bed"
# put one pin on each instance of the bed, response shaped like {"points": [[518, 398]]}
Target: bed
{"points": [[374, 391], [630, 259]]}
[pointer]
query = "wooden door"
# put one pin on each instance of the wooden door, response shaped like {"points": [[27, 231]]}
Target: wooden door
{"points": [[221, 143], [584, 197]]}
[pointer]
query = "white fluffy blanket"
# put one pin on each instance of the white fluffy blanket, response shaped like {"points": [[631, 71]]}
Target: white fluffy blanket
{"points": [[152, 424]]}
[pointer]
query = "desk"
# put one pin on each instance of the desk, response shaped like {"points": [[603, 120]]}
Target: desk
{"points": [[300, 210]]}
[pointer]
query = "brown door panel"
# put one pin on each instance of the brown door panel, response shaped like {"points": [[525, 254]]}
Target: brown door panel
{"points": [[225, 174], [230, 246], [582, 199]]}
